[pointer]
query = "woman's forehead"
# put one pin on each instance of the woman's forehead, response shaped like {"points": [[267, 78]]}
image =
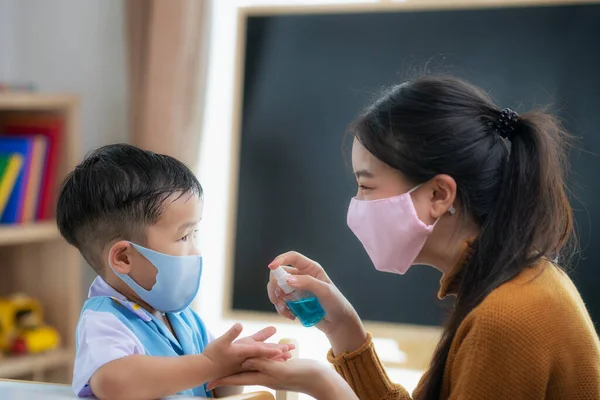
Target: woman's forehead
{"points": [[366, 164]]}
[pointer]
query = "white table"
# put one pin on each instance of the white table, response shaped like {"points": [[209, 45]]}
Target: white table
{"points": [[16, 390]]}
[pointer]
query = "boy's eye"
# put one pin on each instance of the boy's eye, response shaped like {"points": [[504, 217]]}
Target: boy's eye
{"points": [[193, 236]]}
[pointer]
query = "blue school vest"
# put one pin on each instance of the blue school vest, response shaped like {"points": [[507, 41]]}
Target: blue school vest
{"points": [[156, 338]]}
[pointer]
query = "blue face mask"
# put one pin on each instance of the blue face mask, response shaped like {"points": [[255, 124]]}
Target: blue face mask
{"points": [[177, 280]]}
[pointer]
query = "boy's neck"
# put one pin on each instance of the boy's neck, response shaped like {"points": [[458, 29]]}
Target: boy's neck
{"points": [[129, 294]]}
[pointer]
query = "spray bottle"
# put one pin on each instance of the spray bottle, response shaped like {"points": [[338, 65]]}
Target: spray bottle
{"points": [[302, 303]]}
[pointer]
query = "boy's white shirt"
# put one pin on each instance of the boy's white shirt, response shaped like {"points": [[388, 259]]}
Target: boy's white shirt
{"points": [[84, 369]]}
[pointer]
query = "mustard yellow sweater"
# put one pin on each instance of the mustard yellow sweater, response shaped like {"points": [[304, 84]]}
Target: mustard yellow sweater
{"points": [[531, 338]]}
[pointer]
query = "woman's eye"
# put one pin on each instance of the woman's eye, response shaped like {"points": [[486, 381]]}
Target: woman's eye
{"points": [[185, 238], [363, 187]]}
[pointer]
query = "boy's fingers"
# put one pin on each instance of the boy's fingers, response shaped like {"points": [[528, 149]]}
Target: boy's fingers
{"points": [[290, 346], [256, 351], [284, 357], [264, 334], [233, 333], [282, 347]]}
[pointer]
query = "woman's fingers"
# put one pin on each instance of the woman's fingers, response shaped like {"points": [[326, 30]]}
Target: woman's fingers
{"points": [[293, 258], [257, 364], [303, 265], [276, 297], [295, 375], [272, 291], [291, 270], [243, 379], [284, 311], [306, 282]]}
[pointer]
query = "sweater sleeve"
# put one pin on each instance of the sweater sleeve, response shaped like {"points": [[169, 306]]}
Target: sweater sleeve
{"points": [[365, 374]]}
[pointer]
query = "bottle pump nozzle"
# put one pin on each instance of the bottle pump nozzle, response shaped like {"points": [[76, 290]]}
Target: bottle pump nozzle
{"points": [[281, 276]]}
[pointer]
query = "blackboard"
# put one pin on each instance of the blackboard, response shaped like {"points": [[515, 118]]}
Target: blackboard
{"points": [[307, 76]]}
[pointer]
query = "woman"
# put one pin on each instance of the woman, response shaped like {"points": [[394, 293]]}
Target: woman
{"points": [[446, 178]]}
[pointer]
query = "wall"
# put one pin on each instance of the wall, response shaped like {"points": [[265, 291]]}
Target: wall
{"points": [[7, 40], [71, 46]]}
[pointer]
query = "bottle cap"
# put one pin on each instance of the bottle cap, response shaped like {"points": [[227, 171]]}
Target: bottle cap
{"points": [[281, 276]]}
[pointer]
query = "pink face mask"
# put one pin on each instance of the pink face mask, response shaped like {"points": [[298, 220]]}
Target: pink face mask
{"points": [[390, 231]]}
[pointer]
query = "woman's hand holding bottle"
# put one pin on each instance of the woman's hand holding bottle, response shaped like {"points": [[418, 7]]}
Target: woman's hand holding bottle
{"points": [[341, 323]]}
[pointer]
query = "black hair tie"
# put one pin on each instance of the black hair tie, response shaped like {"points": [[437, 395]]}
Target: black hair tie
{"points": [[506, 123]]}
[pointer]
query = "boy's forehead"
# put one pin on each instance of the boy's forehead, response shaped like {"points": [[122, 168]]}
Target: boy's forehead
{"points": [[181, 209]]}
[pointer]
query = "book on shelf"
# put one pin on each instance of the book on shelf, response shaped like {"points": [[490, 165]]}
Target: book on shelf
{"points": [[36, 140], [10, 167]]}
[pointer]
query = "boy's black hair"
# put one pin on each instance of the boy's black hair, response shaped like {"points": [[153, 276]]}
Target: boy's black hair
{"points": [[115, 193]]}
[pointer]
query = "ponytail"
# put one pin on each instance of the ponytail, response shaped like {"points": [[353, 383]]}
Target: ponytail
{"points": [[531, 220]]}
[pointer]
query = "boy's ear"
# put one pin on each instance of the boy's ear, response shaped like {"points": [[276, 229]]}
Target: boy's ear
{"points": [[120, 256]]}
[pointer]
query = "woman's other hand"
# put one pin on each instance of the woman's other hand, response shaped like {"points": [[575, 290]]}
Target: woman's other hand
{"points": [[341, 323], [296, 375]]}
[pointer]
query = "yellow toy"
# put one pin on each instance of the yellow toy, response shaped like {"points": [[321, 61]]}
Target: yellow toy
{"points": [[22, 330]]}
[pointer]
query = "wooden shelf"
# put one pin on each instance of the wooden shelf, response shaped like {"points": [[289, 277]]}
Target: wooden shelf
{"points": [[14, 367], [37, 232], [34, 259], [24, 101]]}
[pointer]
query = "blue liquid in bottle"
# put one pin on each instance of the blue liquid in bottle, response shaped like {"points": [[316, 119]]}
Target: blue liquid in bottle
{"points": [[308, 310], [303, 304]]}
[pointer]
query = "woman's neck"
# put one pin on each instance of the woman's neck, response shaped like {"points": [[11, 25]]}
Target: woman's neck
{"points": [[445, 248]]}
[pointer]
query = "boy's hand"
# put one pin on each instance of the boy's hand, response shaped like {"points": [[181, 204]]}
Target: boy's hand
{"points": [[264, 334], [226, 356]]}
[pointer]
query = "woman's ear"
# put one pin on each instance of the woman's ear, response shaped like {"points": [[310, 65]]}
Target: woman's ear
{"points": [[444, 195], [120, 255]]}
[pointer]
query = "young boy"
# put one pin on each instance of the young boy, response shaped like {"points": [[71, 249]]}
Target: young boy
{"points": [[133, 215]]}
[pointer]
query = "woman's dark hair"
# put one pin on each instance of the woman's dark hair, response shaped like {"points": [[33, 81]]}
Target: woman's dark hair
{"points": [[513, 188]]}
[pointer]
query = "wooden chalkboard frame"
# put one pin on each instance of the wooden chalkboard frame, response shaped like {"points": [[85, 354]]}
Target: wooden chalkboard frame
{"points": [[416, 341]]}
